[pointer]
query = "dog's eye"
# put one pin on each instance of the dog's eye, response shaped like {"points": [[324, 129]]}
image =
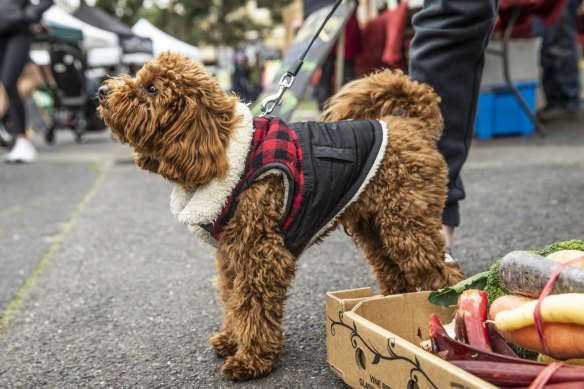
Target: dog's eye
{"points": [[151, 89]]}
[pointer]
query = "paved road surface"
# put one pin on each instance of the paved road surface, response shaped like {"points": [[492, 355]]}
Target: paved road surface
{"points": [[101, 287]]}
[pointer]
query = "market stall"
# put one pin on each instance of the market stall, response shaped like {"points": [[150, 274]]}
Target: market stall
{"points": [[136, 49], [102, 47], [161, 41]]}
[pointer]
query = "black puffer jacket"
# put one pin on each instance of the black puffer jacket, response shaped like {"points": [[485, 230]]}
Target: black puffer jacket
{"points": [[18, 15]]}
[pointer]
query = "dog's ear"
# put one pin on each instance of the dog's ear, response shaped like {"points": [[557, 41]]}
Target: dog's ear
{"points": [[194, 123], [196, 142], [147, 163]]}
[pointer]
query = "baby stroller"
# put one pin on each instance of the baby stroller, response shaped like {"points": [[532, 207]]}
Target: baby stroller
{"points": [[73, 107]]}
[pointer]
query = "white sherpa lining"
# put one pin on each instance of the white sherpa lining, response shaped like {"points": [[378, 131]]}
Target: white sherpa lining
{"points": [[368, 178], [205, 204]]}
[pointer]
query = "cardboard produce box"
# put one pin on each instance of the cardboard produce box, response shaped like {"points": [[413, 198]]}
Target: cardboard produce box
{"points": [[373, 342]]}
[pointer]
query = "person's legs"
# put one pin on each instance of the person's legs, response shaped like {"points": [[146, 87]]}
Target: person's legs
{"points": [[447, 52], [13, 61], [5, 136], [15, 56], [559, 60]]}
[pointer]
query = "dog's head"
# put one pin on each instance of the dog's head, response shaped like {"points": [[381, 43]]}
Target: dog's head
{"points": [[175, 116]]}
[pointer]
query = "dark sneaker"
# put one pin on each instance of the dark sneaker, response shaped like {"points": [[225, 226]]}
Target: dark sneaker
{"points": [[552, 113], [5, 137]]}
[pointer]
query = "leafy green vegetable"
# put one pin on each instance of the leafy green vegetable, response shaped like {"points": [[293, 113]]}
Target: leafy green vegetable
{"points": [[448, 296], [489, 281], [495, 288], [567, 245]]}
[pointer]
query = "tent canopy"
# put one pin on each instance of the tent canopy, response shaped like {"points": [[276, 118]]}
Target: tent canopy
{"points": [[101, 19], [103, 47], [162, 41], [59, 31], [129, 41]]}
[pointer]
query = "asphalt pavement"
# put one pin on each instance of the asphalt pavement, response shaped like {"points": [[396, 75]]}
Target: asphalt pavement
{"points": [[101, 287]]}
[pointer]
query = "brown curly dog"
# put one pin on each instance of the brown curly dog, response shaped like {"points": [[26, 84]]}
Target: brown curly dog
{"points": [[251, 187]]}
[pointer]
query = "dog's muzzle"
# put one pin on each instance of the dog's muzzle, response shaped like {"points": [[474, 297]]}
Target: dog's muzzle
{"points": [[102, 92]]}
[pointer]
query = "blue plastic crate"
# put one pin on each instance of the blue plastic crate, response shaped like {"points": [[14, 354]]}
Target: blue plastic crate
{"points": [[499, 113]]}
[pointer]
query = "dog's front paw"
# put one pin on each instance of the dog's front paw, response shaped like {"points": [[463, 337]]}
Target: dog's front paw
{"points": [[223, 344], [243, 367]]}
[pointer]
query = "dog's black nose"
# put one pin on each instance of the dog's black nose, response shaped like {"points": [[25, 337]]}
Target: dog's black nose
{"points": [[102, 92]]}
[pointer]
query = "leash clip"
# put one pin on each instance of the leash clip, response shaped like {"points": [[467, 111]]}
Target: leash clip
{"points": [[270, 102]]}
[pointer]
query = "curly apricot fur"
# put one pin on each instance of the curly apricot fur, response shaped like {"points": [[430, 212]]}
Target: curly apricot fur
{"points": [[181, 133]]}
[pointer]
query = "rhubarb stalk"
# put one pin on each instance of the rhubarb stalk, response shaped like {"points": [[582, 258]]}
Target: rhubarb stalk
{"points": [[517, 374], [469, 324], [450, 349]]}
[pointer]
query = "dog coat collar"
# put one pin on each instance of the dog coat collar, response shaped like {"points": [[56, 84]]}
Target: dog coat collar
{"points": [[275, 150], [205, 204]]}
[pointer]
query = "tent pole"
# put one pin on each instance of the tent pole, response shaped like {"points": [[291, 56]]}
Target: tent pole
{"points": [[340, 62]]}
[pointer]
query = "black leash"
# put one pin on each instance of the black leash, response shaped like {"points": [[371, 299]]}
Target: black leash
{"points": [[269, 103]]}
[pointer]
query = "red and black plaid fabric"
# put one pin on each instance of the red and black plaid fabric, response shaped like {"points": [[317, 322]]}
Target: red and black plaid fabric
{"points": [[275, 146]]}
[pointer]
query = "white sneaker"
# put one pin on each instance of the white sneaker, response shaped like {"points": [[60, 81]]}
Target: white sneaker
{"points": [[22, 152], [448, 258]]}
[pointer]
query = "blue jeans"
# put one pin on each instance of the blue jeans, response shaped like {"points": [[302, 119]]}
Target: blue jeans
{"points": [[447, 52], [559, 59]]}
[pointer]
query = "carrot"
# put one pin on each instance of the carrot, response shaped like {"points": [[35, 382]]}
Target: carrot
{"points": [[525, 273], [506, 303], [564, 340], [566, 255], [559, 308]]}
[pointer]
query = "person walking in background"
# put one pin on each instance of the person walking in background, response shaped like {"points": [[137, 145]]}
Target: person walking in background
{"points": [[560, 55], [241, 78], [256, 77], [16, 19], [447, 52]]}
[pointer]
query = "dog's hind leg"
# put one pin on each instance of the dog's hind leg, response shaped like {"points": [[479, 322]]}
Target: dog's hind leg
{"points": [[259, 269], [402, 261], [388, 275], [419, 255], [416, 247]]}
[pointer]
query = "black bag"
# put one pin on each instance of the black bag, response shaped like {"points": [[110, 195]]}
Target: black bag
{"points": [[11, 18]]}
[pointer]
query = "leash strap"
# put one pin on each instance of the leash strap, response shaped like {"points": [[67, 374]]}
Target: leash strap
{"points": [[270, 102]]}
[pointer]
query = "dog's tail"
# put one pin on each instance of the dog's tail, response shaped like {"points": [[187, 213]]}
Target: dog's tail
{"points": [[386, 93]]}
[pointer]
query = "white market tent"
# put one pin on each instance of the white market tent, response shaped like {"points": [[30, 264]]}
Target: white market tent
{"points": [[161, 41], [103, 47]]}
